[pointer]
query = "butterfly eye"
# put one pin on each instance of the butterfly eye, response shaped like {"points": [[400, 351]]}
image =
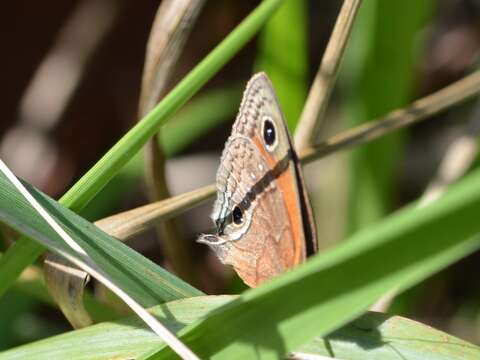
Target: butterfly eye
{"points": [[269, 135], [237, 215]]}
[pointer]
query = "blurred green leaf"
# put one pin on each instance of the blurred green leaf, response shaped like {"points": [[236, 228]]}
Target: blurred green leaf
{"points": [[3, 240], [337, 286], [13, 306], [283, 55], [378, 336], [372, 336], [379, 74]]}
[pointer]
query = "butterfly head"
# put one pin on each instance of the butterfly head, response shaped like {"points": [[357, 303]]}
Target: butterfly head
{"points": [[231, 221]]}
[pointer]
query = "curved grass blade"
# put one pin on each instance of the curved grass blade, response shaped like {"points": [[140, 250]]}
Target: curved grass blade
{"points": [[25, 251], [372, 336], [199, 116], [203, 113], [145, 281], [83, 261], [337, 286], [378, 336], [66, 284], [86, 188]]}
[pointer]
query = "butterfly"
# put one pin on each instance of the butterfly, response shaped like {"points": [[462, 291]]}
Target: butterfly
{"points": [[264, 221]]}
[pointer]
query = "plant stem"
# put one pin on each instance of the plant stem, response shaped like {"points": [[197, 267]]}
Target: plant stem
{"points": [[25, 251]]}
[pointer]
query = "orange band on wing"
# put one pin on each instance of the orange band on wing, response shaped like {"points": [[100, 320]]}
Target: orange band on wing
{"points": [[288, 186]]}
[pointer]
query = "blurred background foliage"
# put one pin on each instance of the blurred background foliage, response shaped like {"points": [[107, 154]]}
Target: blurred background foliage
{"points": [[398, 52], [381, 68]]}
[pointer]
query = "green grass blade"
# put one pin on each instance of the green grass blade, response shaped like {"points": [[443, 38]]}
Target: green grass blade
{"points": [[198, 117], [377, 336], [337, 286], [283, 55], [373, 336], [86, 188], [17, 257], [25, 251], [124, 339], [145, 281], [203, 113]]}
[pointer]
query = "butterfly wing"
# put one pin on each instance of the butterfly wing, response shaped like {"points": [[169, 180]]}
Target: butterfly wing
{"points": [[261, 200]]}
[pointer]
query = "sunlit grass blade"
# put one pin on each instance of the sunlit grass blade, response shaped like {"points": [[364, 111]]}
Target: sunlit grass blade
{"points": [[86, 188], [337, 286], [145, 281], [372, 336], [124, 339], [198, 117], [25, 251], [203, 113], [383, 337], [313, 111], [77, 314]]}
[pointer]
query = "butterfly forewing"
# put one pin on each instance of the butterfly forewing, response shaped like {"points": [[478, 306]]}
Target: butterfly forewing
{"points": [[261, 202]]}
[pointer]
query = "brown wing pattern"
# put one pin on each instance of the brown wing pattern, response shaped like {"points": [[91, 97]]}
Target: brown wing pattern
{"points": [[262, 246], [262, 183]]}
